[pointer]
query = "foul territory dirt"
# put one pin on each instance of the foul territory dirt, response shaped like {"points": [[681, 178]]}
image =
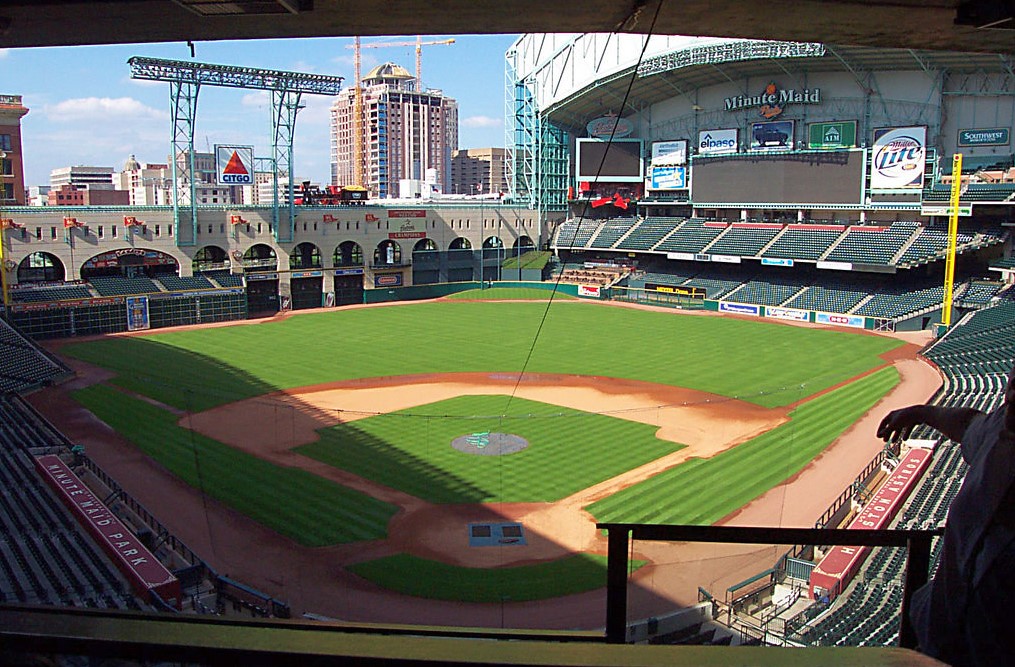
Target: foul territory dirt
{"points": [[313, 579]]}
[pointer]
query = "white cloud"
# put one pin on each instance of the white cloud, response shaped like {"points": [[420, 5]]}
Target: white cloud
{"points": [[482, 121], [102, 109], [255, 99]]}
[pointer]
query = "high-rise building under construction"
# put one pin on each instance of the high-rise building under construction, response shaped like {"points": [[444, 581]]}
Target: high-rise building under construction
{"points": [[406, 133]]}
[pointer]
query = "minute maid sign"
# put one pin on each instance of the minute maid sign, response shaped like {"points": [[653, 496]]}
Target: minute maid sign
{"points": [[771, 102]]}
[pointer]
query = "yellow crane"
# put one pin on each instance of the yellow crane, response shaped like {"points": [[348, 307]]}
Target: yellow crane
{"points": [[359, 161], [419, 44]]}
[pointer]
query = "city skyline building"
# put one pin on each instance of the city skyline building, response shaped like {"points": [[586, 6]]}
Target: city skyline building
{"points": [[406, 133], [476, 171], [12, 164]]}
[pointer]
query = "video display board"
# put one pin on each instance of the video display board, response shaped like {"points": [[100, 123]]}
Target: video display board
{"points": [[616, 161], [803, 178]]}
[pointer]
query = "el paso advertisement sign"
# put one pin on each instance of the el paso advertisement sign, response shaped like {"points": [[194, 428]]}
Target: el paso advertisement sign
{"points": [[234, 165], [717, 141], [898, 158]]}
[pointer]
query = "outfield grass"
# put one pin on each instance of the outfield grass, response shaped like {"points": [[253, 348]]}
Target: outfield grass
{"points": [[702, 491], [411, 452], [534, 259], [428, 579], [505, 293], [307, 508], [762, 362]]}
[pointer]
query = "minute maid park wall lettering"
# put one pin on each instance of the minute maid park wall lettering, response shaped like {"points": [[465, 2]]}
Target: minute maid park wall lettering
{"points": [[771, 102]]}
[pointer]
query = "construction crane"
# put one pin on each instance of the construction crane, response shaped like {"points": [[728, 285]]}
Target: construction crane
{"points": [[419, 44], [359, 161]]}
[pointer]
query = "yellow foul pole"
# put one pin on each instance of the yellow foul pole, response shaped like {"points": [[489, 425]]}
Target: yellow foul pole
{"points": [[953, 232]]}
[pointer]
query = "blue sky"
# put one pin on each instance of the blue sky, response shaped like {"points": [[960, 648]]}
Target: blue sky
{"points": [[86, 110]]}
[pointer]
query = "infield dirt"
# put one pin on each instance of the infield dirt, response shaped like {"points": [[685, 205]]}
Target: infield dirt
{"points": [[313, 579]]}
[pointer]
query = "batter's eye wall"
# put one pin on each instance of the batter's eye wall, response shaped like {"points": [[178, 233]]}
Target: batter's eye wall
{"points": [[808, 178]]}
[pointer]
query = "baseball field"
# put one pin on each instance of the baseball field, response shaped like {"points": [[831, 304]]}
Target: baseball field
{"points": [[347, 427]]}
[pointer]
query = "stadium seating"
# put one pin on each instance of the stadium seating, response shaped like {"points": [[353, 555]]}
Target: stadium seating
{"points": [[576, 233], [650, 231], [805, 242], [744, 240], [44, 558], [118, 286], [872, 244], [827, 299], [23, 365], [611, 232], [895, 304], [764, 293], [225, 278], [692, 236], [179, 283], [50, 294], [980, 293]]}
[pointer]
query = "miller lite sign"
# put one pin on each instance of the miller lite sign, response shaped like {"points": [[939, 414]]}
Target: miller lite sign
{"points": [[234, 165], [898, 158]]}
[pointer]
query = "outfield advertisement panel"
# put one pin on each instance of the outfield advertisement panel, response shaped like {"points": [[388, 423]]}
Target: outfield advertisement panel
{"points": [[591, 291], [137, 313], [739, 308], [776, 135], [787, 314], [898, 158], [854, 321], [776, 261], [669, 153], [682, 290], [717, 141]]}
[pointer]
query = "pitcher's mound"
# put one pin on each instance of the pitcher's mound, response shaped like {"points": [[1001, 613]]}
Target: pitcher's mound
{"points": [[490, 444]]}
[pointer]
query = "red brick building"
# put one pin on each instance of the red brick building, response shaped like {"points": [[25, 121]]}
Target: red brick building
{"points": [[12, 168]]}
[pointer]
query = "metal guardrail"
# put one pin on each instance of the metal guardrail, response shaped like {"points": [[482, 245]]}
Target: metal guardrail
{"points": [[619, 536]]}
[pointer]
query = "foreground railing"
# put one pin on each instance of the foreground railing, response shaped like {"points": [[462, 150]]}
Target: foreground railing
{"points": [[619, 535]]}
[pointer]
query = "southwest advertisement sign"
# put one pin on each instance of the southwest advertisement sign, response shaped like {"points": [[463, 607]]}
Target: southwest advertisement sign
{"points": [[717, 141], [667, 178], [995, 136], [669, 152], [828, 136], [234, 165], [898, 158], [775, 135]]}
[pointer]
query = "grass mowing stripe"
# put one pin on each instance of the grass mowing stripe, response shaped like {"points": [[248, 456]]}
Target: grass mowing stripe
{"points": [[414, 454], [429, 579], [691, 493], [300, 505], [199, 369]]}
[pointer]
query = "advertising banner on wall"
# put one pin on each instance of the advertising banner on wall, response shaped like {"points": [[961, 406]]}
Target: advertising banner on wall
{"points": [[898, 158], [234, 165], [717, 141], [739, 308], [669, 152], [854, 321], [137, 313], [591, 291], [827, 136], [994, 136], [667, 178], [774, 135]]}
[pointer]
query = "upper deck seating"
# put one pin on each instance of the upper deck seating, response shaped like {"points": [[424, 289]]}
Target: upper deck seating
{"points": [[692, 237], [745, 239], [805, 242], [611, 232], [650, 231]]}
